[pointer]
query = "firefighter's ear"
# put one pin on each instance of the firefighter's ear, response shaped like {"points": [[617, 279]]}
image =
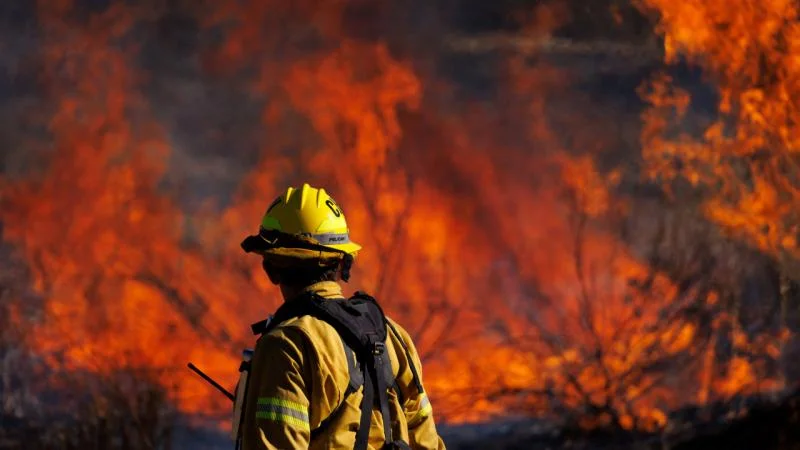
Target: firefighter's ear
{"points": [[272, 274]]}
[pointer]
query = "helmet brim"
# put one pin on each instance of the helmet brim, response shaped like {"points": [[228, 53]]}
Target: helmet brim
{"points": [[259, 244], [349, 247]]}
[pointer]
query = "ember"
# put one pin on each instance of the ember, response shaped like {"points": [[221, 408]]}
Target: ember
{"points": [[545, 269]]}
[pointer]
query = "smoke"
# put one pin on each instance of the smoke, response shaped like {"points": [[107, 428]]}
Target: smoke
{"points": [[144, 139], [214, 122]]}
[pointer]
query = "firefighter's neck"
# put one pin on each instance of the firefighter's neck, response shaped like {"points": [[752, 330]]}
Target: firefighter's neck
{"points": [[326, 289]]}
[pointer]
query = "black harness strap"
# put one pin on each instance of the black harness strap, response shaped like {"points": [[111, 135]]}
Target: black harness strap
{"points": [[414, 374], [362, 326], [261, 326], [378, 370], [368, 335], [400, 397], [362, 435]]}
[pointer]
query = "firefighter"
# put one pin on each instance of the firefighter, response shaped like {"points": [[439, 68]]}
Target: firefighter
{"points": [[309, 385]]}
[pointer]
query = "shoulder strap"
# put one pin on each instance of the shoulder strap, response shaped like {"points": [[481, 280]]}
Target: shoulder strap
{"points": [[362, 326], [414, 372]]}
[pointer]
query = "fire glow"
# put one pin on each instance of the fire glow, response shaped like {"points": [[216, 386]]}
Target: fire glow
{"points": [[493, 244]]}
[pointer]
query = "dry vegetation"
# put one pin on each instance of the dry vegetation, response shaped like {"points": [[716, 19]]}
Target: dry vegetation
{"points": [[45, 407], [557, 285]]}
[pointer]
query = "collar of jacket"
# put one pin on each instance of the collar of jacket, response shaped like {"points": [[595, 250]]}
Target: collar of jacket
{"points": [[325, 289]]}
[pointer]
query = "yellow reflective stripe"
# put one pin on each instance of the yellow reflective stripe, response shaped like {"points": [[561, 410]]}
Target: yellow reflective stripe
{"points": [[278, 417], [425, 409], [275, 401], [282, 410]]}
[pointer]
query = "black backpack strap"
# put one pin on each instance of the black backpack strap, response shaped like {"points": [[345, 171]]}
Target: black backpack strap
{"points": [[356, 381], [364, 424], [261, 326], [362, 326], [380, 361], [414, 373]]}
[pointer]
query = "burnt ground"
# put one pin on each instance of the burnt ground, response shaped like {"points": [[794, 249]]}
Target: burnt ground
{"points": [[744, 423]]}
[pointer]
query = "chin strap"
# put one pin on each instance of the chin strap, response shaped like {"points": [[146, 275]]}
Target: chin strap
{"points": [[347, 264]]}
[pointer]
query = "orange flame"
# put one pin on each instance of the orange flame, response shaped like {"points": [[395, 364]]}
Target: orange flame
{"points": [[519, 296], [744, 160], [747, 156]]}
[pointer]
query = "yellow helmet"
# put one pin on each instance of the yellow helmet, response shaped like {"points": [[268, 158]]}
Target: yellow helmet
{"points": [[310, 212], [304, 223]]}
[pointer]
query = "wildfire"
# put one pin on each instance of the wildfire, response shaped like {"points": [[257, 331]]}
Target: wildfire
{"points": [[748, 155], [501, 261], [744, 160]]}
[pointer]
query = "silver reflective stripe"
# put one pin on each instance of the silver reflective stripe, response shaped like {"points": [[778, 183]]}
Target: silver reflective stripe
{"points": [[282, 410], [424, 411], [332, 238], [425, 402]]}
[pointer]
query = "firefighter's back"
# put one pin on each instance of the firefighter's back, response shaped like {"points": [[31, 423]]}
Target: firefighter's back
{"points": [[302, 375]]}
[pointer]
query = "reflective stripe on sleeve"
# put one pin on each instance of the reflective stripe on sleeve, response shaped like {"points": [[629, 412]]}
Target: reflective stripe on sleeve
{"points": [[425, 410], [281, 410]]}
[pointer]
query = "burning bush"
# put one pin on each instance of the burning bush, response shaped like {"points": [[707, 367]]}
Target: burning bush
{"points": [[122, 410], [503, 217], [46, 407]]}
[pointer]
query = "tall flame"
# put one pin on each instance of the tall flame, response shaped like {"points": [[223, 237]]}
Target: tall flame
{"points": [[742, 161], [488, 231], [748, 155]]}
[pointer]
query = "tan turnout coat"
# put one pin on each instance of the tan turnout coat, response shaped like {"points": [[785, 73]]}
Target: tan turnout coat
{"points": [[299, 374]]}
